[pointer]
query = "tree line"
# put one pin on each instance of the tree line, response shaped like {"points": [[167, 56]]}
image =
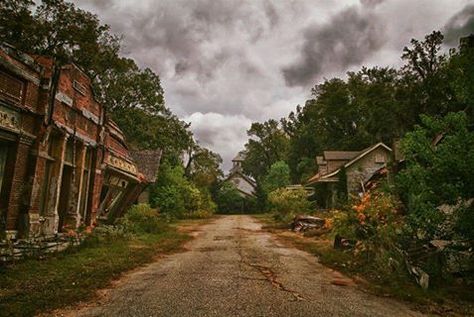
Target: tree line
{"points": [[370, 105]]}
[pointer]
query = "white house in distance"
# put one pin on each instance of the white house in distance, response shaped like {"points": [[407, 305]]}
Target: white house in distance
{"points": [[244, 184]]}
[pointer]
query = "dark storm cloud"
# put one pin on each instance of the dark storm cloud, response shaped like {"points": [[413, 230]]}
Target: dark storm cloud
{"points": [[347, 39], [184, 33], [371, 3], [461, 24]]}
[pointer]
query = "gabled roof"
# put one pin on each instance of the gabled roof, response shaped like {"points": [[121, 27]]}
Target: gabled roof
{"points": [[245, 177], [330, 176], [340, 155], [148, 162]]}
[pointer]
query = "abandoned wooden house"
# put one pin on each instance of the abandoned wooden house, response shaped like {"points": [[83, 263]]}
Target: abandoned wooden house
{"points": [[244, 184], [353, 168], [63, 163]]}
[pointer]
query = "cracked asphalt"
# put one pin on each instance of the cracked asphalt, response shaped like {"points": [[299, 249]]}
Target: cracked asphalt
{"points": [[232, 268]]}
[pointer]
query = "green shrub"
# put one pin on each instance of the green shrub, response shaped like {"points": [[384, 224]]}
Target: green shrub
{"points": [[228, 199], [142, 218], [375, 223], [278, 177], [108, 233], [287, 203], [170, 201], [177, 197]]}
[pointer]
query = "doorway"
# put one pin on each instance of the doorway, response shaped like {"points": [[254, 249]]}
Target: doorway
{"points": [[64, 195]]}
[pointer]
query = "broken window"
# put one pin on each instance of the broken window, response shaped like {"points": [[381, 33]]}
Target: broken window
{"points": [[112, 191]]}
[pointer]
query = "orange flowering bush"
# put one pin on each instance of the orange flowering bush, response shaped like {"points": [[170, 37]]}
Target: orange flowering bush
{"points": [[374, 222]]}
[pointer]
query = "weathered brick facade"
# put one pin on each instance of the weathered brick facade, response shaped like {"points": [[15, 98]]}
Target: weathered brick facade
{"points": [[63, 164]]}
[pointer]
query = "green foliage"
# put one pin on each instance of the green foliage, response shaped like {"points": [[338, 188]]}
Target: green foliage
{"points": [[59, 29], [203, 166], [341, 187], [436, 174], [177, 197], [142, 218], [461, 79], [278, 176], [229, 199], [267, 144], [261, 204], [286, 203]]}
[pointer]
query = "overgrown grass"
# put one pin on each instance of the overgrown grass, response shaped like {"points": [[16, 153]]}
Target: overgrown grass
{"points": [[34, 286], [441, 300]]}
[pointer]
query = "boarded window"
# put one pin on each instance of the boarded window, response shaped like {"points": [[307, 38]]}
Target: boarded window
{"points": [[11, 87], [379, 158], [79, 87]]}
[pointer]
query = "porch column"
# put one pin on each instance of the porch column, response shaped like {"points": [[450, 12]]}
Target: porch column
{"points": [[97, 179], [73, 217], [19, 185], [52, 217]]}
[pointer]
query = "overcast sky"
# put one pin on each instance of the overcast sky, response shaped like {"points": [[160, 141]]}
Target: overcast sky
{"points": [[227, 63]]}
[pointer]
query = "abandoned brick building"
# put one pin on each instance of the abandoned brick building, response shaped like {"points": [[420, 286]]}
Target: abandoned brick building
{"points": [[63, 163]]}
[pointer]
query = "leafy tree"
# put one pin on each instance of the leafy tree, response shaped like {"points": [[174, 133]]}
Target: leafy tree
{"points": [[461, 67], [59, 29], [331, 120], [229, 199], [267, 144], [126, 86], [427, 77], [17, 23], [277, 177], [436, 174], [203, 166], [374, 92], [145, 131], [177, 196]]}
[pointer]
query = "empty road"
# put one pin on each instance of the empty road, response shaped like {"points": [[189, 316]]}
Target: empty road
{"points": [[233, 268]]}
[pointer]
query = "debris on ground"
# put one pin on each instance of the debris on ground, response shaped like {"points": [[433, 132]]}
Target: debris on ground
{"points": [[344, 244], [302, 223]]}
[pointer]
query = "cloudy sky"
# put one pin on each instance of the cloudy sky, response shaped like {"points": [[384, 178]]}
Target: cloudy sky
{"points": [[227, 63]]}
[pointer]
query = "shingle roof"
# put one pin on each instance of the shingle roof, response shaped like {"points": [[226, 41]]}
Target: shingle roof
{"points": [[340, 155], [148, 162], [358, 156]]}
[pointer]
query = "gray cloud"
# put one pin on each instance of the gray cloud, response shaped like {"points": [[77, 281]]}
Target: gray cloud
{"points": [[461, 24], [371, 3], [347, 39]]}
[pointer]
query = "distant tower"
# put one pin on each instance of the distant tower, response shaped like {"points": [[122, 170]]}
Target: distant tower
{"points": [[237, 162], [243, 183]]}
